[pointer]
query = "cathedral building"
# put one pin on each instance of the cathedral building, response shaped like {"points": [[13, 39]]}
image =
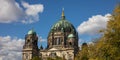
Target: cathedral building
{"points": [[62, 41]]}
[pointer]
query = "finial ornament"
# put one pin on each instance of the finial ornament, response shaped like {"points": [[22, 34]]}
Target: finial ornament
{"points": [[63, 12], [63, 8], [63, 15]]}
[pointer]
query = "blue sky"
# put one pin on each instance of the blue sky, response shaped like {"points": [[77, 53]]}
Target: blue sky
{"points": [[87, 16], [76, 11]]}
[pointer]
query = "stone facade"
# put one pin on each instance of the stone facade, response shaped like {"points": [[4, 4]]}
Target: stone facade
{"points": [[62, 41], [30, 48]]}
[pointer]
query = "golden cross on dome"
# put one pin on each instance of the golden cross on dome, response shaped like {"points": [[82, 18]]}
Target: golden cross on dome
{"points": [[63, 12], [63, 15]]}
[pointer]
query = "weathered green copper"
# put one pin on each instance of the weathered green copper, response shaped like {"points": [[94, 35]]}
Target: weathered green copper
{"points": [[31, 32], [71, 36], [63, 25]]}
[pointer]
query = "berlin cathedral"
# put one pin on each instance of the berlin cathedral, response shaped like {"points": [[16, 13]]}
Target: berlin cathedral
{"points": [[62, 41]]}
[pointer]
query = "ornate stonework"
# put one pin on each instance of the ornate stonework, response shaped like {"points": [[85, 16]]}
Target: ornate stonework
{"points": [[62, 42], [30, 48]]}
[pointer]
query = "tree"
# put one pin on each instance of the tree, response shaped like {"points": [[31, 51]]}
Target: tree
{"points": [[108, 47], [83, 54], [55, 58], [36, 58]]}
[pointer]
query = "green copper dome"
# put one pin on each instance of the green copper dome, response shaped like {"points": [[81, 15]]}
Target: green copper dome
{"points": [[63, 25], [31, 32]]}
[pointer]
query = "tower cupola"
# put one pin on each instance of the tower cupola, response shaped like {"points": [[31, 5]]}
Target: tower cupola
{"points": [[31, 32]]}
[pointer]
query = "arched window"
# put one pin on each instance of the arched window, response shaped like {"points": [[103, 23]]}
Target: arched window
{"points": [[58, 41], [55, 41], [52, 42], [70, 43]]}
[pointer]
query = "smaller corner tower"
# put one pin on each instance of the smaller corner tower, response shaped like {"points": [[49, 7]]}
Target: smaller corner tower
{"points": [[30, 48]]}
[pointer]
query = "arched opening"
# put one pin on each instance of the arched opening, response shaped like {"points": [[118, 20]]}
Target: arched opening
{"points": [[70, 43]]}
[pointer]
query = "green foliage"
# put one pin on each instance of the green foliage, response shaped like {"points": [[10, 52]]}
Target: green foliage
{"points": [[56, 58], [108, 46], [49, 58], [37, 58], [83, 54]]}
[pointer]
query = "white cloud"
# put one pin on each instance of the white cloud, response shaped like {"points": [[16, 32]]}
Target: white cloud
{"points": [[32, 9], [93, 24], [80, 42], [10, 11], [32, 12], [11, 48], [40, 39]]}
